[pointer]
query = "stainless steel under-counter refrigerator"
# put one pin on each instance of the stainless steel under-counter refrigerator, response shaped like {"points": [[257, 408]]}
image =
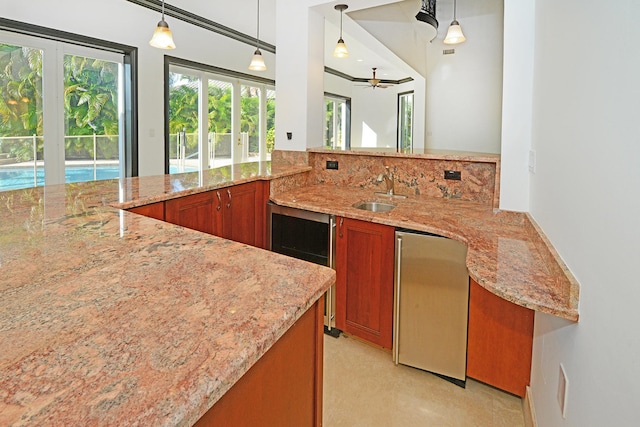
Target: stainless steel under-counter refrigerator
{"points": [[431, 304]]}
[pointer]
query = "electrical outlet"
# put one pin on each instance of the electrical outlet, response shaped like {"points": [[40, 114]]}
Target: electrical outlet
{"points": [[332, 164], [455, 175], [563, 391]]}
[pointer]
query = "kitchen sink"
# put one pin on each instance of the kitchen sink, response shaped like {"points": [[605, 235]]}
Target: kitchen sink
{"points": [[374, 206]]}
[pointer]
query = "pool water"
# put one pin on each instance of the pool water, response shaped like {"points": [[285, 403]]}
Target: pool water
{"points": [[16, 178]]}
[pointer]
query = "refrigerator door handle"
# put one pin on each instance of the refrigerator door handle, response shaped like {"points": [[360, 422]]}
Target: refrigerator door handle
{"points": [[396, 309], [332, 264]]}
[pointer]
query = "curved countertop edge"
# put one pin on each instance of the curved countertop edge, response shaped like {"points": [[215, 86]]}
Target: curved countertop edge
{"points": [[559, 272]]}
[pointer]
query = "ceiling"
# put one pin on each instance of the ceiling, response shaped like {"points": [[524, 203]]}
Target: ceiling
{"points": [[378, 33]]}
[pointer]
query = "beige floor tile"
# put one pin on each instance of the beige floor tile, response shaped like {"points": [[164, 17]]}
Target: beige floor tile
{"points": [[363, 387]]}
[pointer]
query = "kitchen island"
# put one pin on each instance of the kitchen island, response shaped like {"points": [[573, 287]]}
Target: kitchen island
{"points": [[111, 318]]}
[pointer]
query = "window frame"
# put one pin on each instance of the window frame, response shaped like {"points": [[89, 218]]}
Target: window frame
{"points": [[347, 125], [129, 160], [237, 79], [399, 147]]}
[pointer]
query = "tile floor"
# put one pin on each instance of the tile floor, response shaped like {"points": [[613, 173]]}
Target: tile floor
{"points": [[363, 387]]}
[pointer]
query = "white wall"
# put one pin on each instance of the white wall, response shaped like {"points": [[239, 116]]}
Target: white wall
{"points": [[374, 116], [517, 104], [585, 195], [464, 90]]}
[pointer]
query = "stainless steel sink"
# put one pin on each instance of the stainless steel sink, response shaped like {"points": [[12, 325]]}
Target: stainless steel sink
{"points": [[374, 206]]}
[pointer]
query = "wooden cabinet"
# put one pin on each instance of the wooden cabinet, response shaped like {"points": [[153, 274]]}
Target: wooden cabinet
{"points": [[500, 341], [284, 387], [244, 213], [364, 280], [237, 212], [197, 211], [152, 210]]}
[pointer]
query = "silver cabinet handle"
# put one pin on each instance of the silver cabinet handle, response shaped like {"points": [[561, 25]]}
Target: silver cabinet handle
{"points": [[219, 201], [229, 193], [396, 309]]}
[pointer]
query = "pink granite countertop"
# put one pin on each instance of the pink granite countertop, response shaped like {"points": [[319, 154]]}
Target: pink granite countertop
{"points": [[507, 252], [112, 318], [144, 190], [425, 153]]}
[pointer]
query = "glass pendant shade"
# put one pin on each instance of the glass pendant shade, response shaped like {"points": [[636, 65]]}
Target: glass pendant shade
{"points": [[257, 62], [454, 34], [341, 50], [162, 37]]}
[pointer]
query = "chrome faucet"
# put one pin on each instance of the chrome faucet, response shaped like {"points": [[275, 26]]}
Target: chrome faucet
{"points": [[388, 180]]}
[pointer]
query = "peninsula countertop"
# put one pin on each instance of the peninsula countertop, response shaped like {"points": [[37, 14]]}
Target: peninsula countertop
{"points": [[508, 254], [112, 318]]}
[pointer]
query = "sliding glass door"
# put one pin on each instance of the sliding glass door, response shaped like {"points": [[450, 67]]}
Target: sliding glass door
{"points": [[61, 112], [216, 120]]}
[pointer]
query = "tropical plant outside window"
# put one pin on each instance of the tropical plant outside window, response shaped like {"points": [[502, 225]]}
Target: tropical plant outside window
{"points": [[405, 122], [89, 90], [336, 123], [256, 112]]}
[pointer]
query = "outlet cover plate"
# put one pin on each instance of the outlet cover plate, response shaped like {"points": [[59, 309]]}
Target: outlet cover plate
{"points": [[563, 391], [332, 164]]}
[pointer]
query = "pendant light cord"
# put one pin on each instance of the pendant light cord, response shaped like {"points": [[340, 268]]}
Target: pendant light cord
{"points": [[454, 10], [163, 10], [258, 26], [341, 23]]}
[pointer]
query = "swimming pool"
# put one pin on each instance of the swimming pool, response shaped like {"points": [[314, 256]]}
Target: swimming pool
{"points": [[20, 177]]}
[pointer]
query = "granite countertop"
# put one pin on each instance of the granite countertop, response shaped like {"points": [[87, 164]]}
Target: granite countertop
{"points": [[112, 318], [424, 153], [508, 254]]}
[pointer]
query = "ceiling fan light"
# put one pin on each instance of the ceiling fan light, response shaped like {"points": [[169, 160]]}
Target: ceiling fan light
{"points": [[341, 49], [454, 34], [257, 62]]}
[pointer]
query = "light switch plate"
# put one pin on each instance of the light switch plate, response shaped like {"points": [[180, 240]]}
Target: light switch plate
{"points": [[532, 161]]}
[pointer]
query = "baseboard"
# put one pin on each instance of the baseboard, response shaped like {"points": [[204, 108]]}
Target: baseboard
{"points": [[528, 409]]}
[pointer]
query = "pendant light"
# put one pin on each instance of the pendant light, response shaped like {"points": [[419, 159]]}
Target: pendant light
{"points": [[341, 48], [454, 33], [162, 37], [257, 61]]}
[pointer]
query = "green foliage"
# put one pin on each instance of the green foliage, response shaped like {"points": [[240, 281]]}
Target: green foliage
{"points": [[20, 104], [90, 100]]}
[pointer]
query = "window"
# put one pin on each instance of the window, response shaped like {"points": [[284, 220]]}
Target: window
{"points": [[62, 110], [405, 122], [239, 123], [337, 122]]}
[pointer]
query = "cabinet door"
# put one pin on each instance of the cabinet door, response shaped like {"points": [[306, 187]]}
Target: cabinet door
{"points": [[153, 210], [500, 341], [197, 211], [244, 213], [364, 280]]}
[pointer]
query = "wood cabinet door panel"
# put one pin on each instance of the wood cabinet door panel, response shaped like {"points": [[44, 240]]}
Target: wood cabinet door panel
{"points": [[239, 223], [500, 341], [364, 283], [195, 211]]}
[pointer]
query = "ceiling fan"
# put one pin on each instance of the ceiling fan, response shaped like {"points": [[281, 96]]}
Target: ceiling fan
{"points": [[375, 82]]}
